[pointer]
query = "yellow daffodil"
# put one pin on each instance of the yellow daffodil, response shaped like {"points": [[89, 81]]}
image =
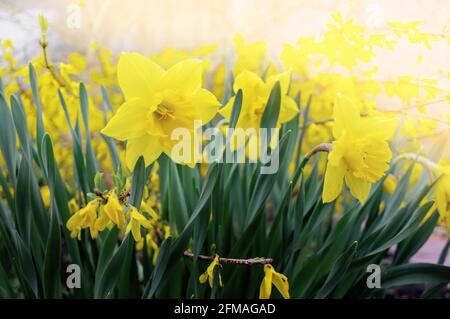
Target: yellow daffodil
{"points": [[255, 95], [136, 221], [280, 281], [360, 154], [114, 210], [209, 273], [157, 103], [249, 56]]}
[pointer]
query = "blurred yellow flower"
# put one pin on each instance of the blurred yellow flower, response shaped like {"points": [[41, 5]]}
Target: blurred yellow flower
{"points": [[249, 56], [255, 93], [390, 184], [7, 44]]}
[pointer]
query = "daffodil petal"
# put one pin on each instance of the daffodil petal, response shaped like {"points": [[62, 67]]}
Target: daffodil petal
{"points": [[358, 187], [249, 83], [227, 109], [206, 104], [284, 79], [334, 180], [138, 75], [147, 146], [129, 121], [381, 128], [185, 75], [346, 116], [288, 109]]}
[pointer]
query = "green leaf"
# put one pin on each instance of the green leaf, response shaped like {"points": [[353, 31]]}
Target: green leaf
{"points": [[91, 161], [178, 213], [236, 111], [58, 188], [24, 214], [8, 139], [52, 264], [138, 182], [336, 273], [37, 101], [420, 273], [105, 284], [160, 269], [21, 126], [107, 251], [271, 112]]}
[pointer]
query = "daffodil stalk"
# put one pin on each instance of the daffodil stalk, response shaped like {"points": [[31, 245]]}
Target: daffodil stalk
{"points": [[431, 166], [441, 189], [323, 147], [234, 261]]}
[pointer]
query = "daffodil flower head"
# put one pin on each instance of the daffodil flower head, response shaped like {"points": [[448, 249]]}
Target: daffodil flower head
{"points": [[157, 103], [136, 221], [209, 273], [280, 281], [255, 94], [360, 154]]}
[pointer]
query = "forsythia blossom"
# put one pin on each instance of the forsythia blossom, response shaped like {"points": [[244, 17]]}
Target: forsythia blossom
{"points": [[209, 273], [280, 281], [136, 221], [360, 154], [84, 218]]}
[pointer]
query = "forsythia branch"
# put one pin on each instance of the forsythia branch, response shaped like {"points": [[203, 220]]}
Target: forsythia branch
{"points": [[248, 262], [122, 197]]}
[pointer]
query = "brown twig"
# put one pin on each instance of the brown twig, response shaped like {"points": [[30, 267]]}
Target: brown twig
{"points": [[100, 194], [233, 261], [124, 195]]}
